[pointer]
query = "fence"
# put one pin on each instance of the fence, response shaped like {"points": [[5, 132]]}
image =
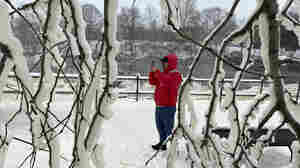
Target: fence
{"points": [[138, 91]]}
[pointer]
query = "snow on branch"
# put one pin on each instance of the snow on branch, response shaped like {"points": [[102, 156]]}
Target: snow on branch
{"points": [[217, 75], [5, 140], [82, 44], [98, 99], [6, 65], [296, 154], [109, 94], [270, 35], [51, 35], [172, 9], [184, 87], [241, 34], [15, 48]]}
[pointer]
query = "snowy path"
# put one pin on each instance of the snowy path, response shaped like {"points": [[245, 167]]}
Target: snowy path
{"points": [[128, 136]]}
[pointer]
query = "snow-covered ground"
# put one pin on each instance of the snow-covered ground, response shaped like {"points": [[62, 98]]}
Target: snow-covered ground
{"points": [[127, 136]]}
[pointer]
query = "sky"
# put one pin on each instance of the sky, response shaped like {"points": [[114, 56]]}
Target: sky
{"points": [[243, 11]]}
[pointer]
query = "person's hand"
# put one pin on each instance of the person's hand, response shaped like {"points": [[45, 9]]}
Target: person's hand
{"points": [[153, 68]]}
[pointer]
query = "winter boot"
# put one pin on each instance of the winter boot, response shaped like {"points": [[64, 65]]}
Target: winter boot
{"points": [[156, 146], [159, 146], [163, 147]]}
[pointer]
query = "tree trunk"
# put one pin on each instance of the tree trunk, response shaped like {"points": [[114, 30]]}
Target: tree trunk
{"points": [[270, 37]]}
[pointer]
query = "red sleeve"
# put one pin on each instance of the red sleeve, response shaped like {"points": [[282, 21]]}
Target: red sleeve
{"points": [[153, 77], [174, 86]]}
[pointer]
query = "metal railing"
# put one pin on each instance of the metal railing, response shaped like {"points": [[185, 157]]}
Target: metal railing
{"points": [[138, 90]]}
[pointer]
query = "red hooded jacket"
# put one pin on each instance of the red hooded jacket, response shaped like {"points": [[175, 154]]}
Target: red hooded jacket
{"points": [[166, 82]]}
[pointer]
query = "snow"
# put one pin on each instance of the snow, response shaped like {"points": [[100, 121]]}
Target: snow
{"points": [[126, 137]]}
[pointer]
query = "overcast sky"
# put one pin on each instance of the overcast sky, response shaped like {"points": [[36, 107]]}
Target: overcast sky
{"points": [[243, 11]]}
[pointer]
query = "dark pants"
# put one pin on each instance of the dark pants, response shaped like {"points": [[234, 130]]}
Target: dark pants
{"points": [[164, 117]]}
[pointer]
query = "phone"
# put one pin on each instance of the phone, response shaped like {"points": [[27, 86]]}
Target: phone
{"points": [[152, 65]]}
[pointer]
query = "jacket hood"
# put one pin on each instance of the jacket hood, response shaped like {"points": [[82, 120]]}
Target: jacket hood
{"points": [[172, 62]]}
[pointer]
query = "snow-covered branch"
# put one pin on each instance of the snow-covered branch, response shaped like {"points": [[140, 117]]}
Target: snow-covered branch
{"points": [[270, 35], [289, 22]]}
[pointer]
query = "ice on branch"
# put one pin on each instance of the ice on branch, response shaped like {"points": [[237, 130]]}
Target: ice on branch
{"points": [[54, 32]]}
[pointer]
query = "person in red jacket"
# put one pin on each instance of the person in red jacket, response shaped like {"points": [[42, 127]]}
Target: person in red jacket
{"points": [[165, 96]]}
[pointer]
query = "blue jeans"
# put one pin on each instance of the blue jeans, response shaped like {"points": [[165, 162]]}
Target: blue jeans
{"points": [[164, 117]]}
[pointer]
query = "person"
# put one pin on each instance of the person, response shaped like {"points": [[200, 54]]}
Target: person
{"points": [[165, 96]]}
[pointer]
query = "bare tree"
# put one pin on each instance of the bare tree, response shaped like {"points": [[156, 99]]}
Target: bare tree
{"points": [[91, 98], [211, 17]]}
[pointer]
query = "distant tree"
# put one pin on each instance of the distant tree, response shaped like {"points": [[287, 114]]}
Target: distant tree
{"points": [[94, 20], [190, 19], [25, 34], [151, 22], [129, 20], [211, 17]]}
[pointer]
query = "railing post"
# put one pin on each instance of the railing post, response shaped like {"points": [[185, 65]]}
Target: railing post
{"points": [[137, 86], [221, 90], [298, 90]]}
